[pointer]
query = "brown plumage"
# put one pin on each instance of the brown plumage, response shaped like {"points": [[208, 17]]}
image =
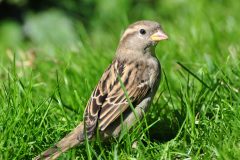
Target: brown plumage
{"points": [[136, 70]]}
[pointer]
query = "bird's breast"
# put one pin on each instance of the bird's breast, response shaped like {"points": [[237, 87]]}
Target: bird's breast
{"points": [[154, 71]]}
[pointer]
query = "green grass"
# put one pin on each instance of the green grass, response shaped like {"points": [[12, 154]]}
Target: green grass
{"points": [[195, 114]]}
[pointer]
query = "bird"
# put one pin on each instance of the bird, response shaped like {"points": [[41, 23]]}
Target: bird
{"points": [[124, 92]]}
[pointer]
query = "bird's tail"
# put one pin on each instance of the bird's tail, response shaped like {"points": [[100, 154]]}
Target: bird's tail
{"points": [[74, 138]]}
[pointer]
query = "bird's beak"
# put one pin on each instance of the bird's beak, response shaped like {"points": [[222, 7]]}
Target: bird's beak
{"points": [[158, 36]]}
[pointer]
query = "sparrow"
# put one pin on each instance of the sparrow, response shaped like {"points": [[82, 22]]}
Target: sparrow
{"points": [[123, 93]]}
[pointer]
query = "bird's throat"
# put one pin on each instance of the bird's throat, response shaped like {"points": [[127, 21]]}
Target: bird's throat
{"points": [[150, 50]]}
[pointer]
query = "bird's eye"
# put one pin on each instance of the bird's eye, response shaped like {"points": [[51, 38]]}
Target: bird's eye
{"points": [[142, 31]]}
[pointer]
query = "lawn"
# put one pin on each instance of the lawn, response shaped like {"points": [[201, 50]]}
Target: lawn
{"points": [[48, 73]]}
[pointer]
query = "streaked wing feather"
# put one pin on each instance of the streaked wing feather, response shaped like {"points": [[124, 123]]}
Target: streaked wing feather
{"points": [[95, 102], [116, 102], [109, 108], [111, 111]]}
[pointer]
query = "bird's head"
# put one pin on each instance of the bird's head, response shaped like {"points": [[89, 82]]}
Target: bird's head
{"points": [[142, 36]]}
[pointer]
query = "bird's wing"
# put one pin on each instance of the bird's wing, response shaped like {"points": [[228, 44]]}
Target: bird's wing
{"points": [[109, 100]]}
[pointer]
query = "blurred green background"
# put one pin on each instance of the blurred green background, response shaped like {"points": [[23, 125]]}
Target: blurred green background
{"points": [[52, 54], [62, 23]]}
